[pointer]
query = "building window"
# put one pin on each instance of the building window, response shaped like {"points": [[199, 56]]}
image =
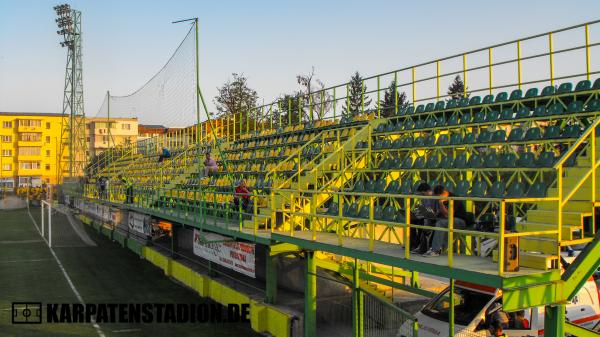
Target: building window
{"points": [[6, 167], [7, 124], [47, 153], [47, 139], [126, 126], [30, 122], [104, 139], [7, 183], [47, 125], [29, 151], [47, 167], [7, 139], [6, 153], [31, 136], [29, 165]]}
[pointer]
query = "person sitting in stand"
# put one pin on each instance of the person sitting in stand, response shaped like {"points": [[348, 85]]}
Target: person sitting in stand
{"points": [[210, 165], [424, 214], [165, 154], [243, 192], [460, 216]]}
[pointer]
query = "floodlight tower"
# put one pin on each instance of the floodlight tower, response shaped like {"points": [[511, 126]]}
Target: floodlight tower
{"points": [[73, 144]]}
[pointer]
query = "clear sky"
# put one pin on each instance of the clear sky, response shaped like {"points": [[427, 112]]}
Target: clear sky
{"points": [[126, 42]]}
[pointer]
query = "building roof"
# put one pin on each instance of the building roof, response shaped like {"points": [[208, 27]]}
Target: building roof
{"points": [[41, 114]]}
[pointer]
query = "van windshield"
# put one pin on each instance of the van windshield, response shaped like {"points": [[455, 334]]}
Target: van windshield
{"points": [[467, 304]]}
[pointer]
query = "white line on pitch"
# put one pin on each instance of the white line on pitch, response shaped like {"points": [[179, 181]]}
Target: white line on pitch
{"points": [[126, 330], [19, 241], [19, 261]]}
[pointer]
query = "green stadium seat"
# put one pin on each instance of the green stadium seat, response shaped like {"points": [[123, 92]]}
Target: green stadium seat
{"points": [[408, 142], [386, 144], [397, 143], [402, 111], [556, 109], [479, 117], [440, 105], [571, 131], [470, 138], [333, 209], [419, 163], [399, 126], [377, 212], [499, 136], [479, 189], [429, 107], [475, 100], [475, 161], [385, 164], [452, 104], [359, 187], [420, 109], [508, 160], [484, 137], [455, 138], [516, 94], [407, 163], [537, 190], [575, 107], [369, 186], [390, 127], [465, 118], [420, 123], [526, 159], [565, 88], [547, 91], [497, 189], [419, 142], [462, 188], [491, 160], [449, 185], [460, 161], [516, 190], [381, 127], [443, 140], [440, 121], [433, 162], [596, 85], [406, 187], [545, 159], [523, 112], [506, 114], [446, 162], [430, 122], [492, 116], [408, 124], [393, 187], [376, 145], [593, 106], [430, 140], [453, 120], [533, 134], [352, 211], [488, 99], [463, 102], [396, 163], [552, 132], [389, 214], [532, 92], [501, 97], [539, 111], [583, 85], [362, 145], [410, 110]]}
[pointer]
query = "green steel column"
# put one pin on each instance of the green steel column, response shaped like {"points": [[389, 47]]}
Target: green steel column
{"points": [[271, 278], [310, 296], [451, 314], [554, 321], [357, 303]]}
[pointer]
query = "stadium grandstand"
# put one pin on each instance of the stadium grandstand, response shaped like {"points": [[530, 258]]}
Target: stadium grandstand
{"points": [[338, 183]]}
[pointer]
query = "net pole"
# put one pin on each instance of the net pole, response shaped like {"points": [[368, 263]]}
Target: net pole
{"points": [[198, 130]]}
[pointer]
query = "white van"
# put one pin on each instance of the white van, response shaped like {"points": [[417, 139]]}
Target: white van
{"points": [[472, 315]]}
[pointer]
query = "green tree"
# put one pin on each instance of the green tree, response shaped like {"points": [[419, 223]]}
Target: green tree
{"points": [[391, 99], [290, 110], [457, 89], [357, 100], [314, 95], [236, 98]]}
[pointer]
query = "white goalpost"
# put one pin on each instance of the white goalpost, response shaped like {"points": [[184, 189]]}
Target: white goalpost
{"points": [[45, 205]]}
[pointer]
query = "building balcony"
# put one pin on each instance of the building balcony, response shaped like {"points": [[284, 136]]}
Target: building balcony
{"points": [[22, 128], [30, 172], [30, 143]]}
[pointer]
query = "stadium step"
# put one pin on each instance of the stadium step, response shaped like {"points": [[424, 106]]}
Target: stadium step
{"points": [[532, 260], [550, 217], [571, 206], [567, 233], [539, 245]]}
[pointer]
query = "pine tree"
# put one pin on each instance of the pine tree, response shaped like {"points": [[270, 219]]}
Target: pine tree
{"points": [[457, 90], [391, 100], [356, 97]]}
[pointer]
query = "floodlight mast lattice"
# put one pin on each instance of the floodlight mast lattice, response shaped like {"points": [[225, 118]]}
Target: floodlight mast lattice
{"points": [[73, 145]]}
